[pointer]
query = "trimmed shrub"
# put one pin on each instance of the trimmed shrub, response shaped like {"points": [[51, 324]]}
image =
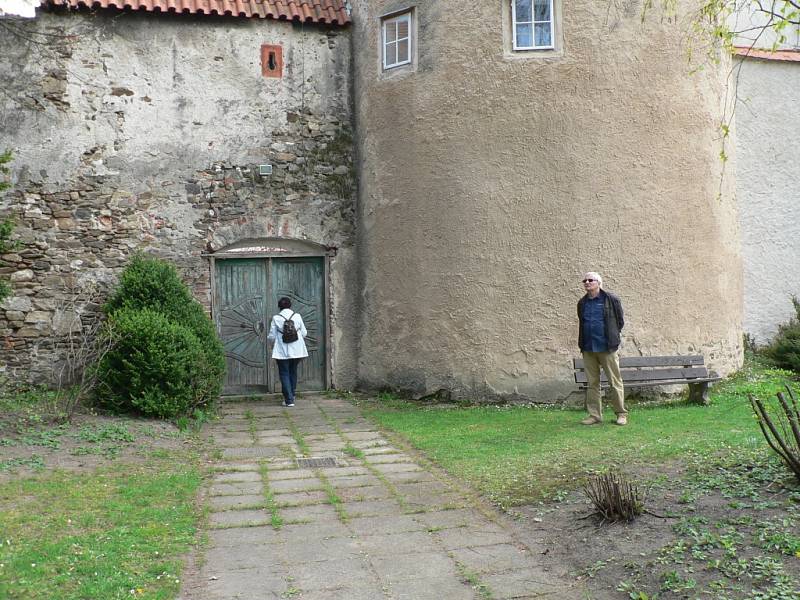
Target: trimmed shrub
{"points": [[785, 347], [156, 366], [150, 294]]}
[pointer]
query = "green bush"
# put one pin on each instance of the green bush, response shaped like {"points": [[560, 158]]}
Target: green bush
{"points": [[155, 367], [150, 294], [785, 347]]}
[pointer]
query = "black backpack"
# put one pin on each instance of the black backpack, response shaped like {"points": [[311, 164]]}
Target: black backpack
{"points": [[289, 332]]}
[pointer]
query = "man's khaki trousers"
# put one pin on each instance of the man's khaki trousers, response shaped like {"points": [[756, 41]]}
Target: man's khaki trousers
{"points": [[609, 361]]}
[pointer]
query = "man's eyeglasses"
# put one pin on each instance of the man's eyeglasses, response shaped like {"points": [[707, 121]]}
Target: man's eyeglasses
{"points": [[589, 280]]}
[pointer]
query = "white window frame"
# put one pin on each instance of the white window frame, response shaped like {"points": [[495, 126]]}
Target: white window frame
{"points": [[533, 23], [393, 21]]}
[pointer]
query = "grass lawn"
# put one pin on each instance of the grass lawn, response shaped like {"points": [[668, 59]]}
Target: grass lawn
{"points": [[108, 534], [518, 455], [100, 508]]}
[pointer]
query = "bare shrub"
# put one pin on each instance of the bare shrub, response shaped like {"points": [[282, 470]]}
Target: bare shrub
{"points": [[614, 498], [780, 425], [80, 322]]}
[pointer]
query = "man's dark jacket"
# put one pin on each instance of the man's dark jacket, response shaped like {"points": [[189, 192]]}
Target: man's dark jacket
{"points": [[614, 319]]}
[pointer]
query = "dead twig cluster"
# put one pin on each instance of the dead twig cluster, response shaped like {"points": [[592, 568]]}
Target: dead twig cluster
{"points": [[614, 498], [781, 426]]}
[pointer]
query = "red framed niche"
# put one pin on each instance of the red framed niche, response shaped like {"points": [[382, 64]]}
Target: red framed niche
{"points": [[272, 60]]}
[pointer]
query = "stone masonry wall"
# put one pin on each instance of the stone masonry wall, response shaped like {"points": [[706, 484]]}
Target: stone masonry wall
{"points": [[143, 133]]}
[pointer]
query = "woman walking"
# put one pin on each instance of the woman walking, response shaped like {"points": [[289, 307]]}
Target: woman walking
{"points": [[289, 346]]}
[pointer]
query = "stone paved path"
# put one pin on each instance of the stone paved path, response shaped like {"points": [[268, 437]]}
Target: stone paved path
{"points": [[360, 521]]}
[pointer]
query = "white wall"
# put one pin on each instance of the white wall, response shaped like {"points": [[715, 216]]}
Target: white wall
{"points": [[768, 171]]}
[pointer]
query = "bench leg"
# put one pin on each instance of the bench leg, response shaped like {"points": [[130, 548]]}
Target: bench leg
{"points": [[698, 393]]}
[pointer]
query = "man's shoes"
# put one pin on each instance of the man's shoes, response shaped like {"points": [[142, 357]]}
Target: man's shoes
{"points": [[591, 421], [289, 403], [622, 419]]}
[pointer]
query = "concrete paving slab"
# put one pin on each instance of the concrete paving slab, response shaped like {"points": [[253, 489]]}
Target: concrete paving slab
{"points": [[239, 518], [494, 559], [256, 584], [319, 513], [352, 481], [275, 440], [332, 574], [251, 556], [236, 476], [315, 531], [353, 591], [422, 565], [294, 485], [386, 457], [433, 589], [460, 517], [224, 467], [334, 472], [325, 548], [309, 497], [369, 451], [358, 494], [250, 452], [281, 474], [398, 467], [469, 537], [372, 508], [394, 544], [237, 489], [232, 439], [417, 476], [243, 537], [219, 503], [362, 435], [383, 525]]}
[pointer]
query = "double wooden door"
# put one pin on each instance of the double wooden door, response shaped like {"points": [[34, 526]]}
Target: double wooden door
{"points": [[247, 293]]}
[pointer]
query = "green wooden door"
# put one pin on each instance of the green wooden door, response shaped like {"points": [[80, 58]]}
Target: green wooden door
{"points": [[242, 321], [302, 280], [246, 297]]}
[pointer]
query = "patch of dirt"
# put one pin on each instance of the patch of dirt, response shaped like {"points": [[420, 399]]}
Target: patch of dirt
{"points": [[727, 534], [89, 441]]}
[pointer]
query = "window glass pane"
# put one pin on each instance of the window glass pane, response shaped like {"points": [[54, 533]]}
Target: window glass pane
{"points": [[402, 51], [391, 32], [402, 29], [523, 10], [541, 9], [524, 36], [543, 37]]}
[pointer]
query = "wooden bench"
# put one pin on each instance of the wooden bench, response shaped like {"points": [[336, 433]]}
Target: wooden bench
{"points": [[645, 371]]}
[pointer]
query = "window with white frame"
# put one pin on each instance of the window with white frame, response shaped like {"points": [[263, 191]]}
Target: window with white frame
{"points": [[532, 22], [396, 33]]}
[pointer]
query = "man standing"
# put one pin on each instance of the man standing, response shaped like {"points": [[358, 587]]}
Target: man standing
{"points": [[601, 321]]}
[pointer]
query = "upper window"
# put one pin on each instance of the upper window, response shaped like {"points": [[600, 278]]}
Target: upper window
{"points": [[532, 21], [396, 40]]}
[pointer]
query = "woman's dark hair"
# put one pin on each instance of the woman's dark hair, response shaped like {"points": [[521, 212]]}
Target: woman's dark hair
{"points": [[284, 303]]}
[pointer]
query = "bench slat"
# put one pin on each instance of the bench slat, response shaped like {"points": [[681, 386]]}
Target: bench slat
{"points": [[651, 361], [641, 384], [633, 375]]}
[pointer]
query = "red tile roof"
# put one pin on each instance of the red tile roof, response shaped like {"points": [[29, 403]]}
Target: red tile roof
{"points": [[788, 55], [307, 11]]}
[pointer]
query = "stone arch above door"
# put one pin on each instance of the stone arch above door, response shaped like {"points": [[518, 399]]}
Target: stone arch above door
{"points": [[273, 247]]}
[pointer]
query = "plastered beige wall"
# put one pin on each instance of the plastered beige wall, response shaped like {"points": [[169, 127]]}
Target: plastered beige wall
{"points": [[491, 181]]}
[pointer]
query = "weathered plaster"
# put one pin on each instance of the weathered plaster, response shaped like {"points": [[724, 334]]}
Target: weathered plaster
{"points": [[491, 183], [145, 132], [766, 188]]}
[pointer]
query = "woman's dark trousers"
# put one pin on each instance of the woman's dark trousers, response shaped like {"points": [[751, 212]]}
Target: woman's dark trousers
{"points": [[287, 371]]}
